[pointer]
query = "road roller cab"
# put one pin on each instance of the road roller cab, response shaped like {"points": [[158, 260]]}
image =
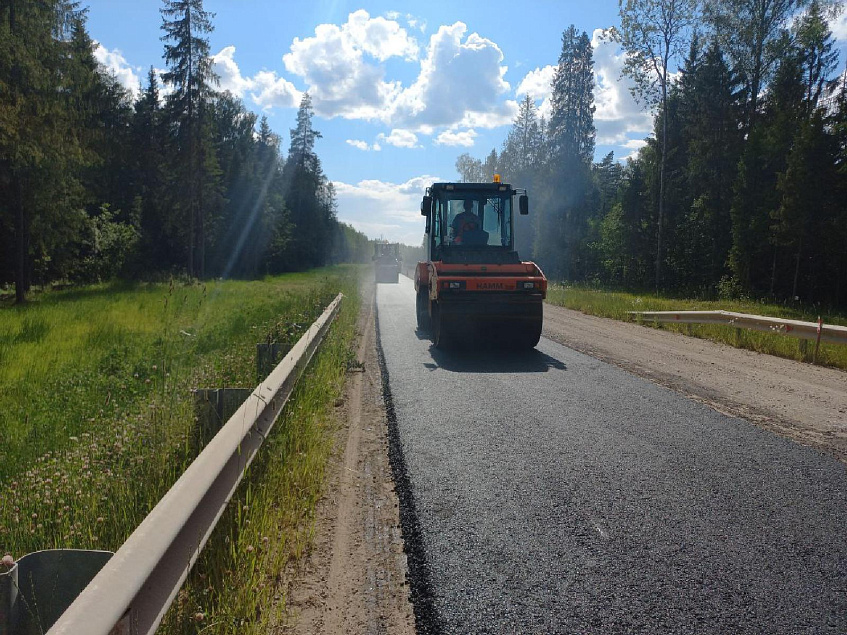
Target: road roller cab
{"points": [[473, 286]]}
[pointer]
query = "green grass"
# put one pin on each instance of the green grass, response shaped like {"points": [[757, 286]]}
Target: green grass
{"points": [[240, 582], [97, 415], [616, 305]]}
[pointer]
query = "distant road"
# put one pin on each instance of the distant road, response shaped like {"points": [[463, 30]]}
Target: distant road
{"points": [[549, 492]]}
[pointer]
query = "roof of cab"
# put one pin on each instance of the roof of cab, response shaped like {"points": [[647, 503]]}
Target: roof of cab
{"points": [[476, 187]]}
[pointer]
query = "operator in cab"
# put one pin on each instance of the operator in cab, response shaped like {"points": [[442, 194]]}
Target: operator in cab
{"points": [[465, 222]]}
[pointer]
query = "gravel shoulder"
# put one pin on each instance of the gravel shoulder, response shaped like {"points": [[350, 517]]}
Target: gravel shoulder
{"points": [[802, 402], [355, 578]]}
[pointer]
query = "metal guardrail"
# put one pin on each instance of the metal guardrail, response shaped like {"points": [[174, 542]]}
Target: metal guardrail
{"points": [[132, 592], [793, 328]]}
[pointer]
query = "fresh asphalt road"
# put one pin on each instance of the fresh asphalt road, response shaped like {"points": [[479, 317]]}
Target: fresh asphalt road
{"points": [[548, 492]]}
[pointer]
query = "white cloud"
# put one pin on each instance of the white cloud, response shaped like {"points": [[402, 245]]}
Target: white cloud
{"points": [[461, 79], [272, 91], [838, 26], [115, 62], [384, 209], [266, 88], [400, 138], [463, 138], [618, 116], [363, 145], [333, 64], [224, 65], [537, 84]]}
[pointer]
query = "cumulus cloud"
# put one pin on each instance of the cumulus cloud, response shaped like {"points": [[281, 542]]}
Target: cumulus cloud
{"points": [[383, 209], [272, 91], [334, 63], [838, 26], [363, 145], [618, 116], [463, 138], [115, 62], [400, 138], [537, 84], [224, 65], [461, 77], [266, 88]]}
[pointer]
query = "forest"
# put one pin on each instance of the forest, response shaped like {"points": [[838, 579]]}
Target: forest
{"points": [[742, 188], [96, 184]]}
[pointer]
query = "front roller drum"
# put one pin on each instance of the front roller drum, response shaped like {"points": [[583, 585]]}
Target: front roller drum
{"points": [[506, 324]]}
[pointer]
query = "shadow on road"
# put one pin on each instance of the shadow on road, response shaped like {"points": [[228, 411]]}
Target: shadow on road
{"points": [[493, 361]]}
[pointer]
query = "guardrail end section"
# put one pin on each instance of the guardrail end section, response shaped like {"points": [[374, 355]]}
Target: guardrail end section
{"points": [[42, 585]]}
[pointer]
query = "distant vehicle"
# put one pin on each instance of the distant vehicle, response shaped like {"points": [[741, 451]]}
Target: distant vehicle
{"points": [[473, 284], [387, 262]]}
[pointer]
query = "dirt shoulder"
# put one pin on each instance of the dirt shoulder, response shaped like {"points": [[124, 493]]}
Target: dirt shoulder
{"points": [[354, 579], [800, 401]]}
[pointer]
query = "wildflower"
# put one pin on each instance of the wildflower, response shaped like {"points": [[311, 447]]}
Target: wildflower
{"points": [[199, 617], [99, 519], [250, 549], [8, 561]]}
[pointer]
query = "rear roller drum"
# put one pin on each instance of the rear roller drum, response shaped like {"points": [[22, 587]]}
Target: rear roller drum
{"points": [[528, 330]]}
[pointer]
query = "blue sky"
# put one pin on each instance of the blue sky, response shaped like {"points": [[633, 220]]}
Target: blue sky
{"points": [[399, 89]]}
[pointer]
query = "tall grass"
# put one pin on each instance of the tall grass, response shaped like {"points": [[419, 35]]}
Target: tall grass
{"points": [[617, 305], [240, 582], [97, 412]]}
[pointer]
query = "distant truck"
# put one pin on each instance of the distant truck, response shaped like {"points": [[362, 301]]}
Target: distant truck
{"points": [[387, 262], [473, 285]]}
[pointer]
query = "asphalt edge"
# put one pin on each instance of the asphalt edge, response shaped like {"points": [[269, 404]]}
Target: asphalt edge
{"points": [[420, 582]]}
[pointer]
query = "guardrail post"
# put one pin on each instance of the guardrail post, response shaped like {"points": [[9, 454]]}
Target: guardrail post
{"points": [[267, 357], [40, 586], [213, 408], [818, 340]]}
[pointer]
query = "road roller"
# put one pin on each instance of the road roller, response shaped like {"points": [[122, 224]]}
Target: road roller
{"points": [[473, 288]]}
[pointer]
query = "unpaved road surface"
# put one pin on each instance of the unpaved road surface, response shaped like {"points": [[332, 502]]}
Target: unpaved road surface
{"points": [[551, 492], [803, 402], [355, 578]]}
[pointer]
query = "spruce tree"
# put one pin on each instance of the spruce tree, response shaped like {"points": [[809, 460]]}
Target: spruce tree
{"points": [[570, 147], [185, 24]]}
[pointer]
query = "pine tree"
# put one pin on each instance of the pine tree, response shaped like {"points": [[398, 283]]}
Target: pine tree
{"points": [[710, 109], [561, 227], [185, 23], [305, 182], [39, 144], [819, 60], [571, 126]]}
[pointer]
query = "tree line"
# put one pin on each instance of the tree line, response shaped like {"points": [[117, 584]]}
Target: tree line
{"points": [[742, 187], [97, 183]]}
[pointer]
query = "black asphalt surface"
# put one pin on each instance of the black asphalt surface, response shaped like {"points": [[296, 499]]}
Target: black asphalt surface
{"points": [[548, 492]]}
